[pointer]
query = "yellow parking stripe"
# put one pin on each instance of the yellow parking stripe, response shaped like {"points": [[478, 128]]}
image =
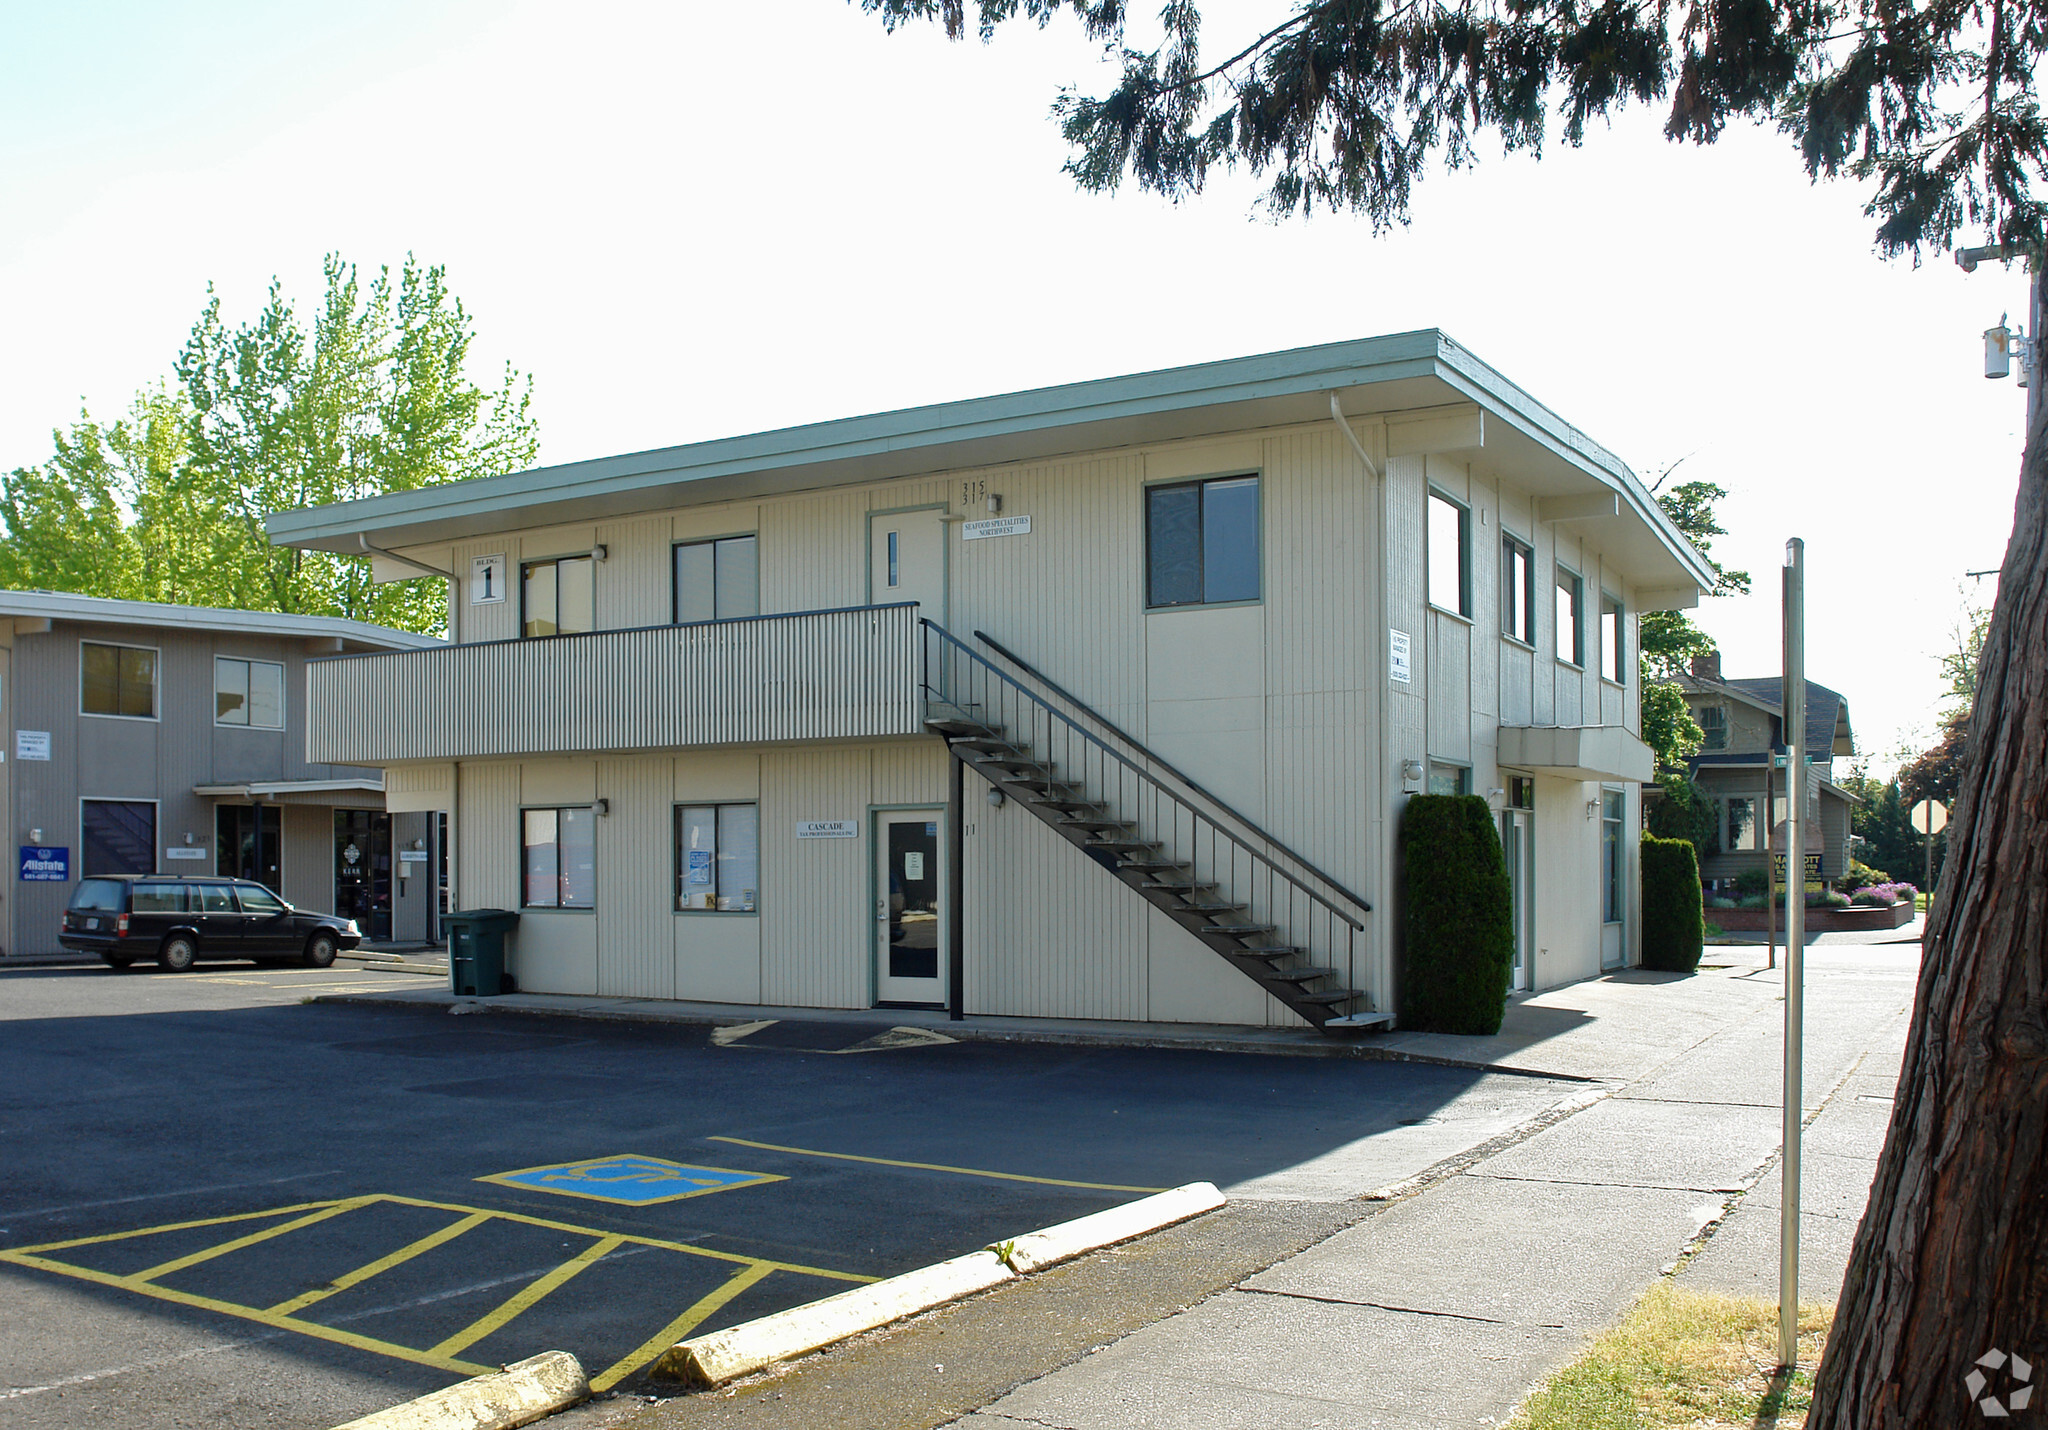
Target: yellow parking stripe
{"points": [[195, 1258], [382, 1264], [476, 1330], [936, 1167], [170, 1226], [659, 1343], [249, 1313]]}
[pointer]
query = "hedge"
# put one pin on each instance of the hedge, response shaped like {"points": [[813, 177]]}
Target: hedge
{"points": [[1459, 919], [1672, 928]]}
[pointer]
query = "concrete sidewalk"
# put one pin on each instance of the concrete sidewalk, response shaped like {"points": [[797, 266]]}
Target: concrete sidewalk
{"points": [[1445, 1309]]}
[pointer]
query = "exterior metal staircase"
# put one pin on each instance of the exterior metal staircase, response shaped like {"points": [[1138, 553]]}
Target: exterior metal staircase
{"points": [[1275, 917]]}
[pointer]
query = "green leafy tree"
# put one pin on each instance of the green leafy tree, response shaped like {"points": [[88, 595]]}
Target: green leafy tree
{"points": [[1343, 104], [370, 396]]}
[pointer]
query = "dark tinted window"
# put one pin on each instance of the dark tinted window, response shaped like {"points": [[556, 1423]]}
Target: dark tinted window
{"points": [[119, 836], [101, 894], [1202, 542], [214, 898], [158, 899]]}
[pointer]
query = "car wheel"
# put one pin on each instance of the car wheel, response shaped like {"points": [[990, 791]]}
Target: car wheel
{"points": [[117, 960], [319, 951], [177, 954]]}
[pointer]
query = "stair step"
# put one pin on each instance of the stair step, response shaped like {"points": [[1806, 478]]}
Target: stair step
{"points": [[1022, 764], [1330, 1000], [1187, 906], [1094, 821], [1271, 951], [1354, 1021], [987, 745], [1302, 975], [1119, 844], [1053, 790], [1150, 866], [1176, 885], [953, 726], [1238, 930]]}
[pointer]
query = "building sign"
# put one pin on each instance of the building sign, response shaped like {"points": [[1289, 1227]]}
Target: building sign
{"points": [[828, 829], [995, 526], [700, 866], [1400, 657], [486, 580], [412, 856], [31, 744], [42, 864], [1812, 862], [184, 851]]}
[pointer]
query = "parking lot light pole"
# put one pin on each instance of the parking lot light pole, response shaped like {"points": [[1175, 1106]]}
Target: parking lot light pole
{"points": [[1795, 942]]}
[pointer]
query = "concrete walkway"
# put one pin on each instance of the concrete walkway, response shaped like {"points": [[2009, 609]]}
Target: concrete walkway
{"points": [[1445, 1309]]}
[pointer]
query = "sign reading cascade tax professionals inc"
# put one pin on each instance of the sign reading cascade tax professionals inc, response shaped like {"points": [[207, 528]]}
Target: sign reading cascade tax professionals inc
{"points": [[41, 863], [828, 829], [995, 526]]}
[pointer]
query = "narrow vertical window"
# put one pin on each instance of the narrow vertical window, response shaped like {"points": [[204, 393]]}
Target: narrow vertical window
{"points": [[1713, 723], [1202, 542], [1450, 581], [1518, 591], [1613, 658], [892, 561], [1612, 807], [1571, 632]]}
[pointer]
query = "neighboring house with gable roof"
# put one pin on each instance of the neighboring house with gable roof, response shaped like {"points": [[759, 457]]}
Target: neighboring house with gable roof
{"points": [[157, 739], [1742, 721], [1096, 701]]}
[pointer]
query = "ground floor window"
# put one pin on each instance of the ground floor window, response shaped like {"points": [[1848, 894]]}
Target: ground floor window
{"points": [[1739, 830], [248, 840], [362, 870], [1449, 779], [718, 857], [118, 836], [559, 855], [1613, 807]]}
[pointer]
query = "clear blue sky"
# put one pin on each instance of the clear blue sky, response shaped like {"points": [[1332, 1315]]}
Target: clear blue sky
{"points": [[692, 220]]}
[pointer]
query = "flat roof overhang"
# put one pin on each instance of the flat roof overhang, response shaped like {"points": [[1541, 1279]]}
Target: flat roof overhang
{"points": [[295, 791], [1404, 372], [1577, 752]]}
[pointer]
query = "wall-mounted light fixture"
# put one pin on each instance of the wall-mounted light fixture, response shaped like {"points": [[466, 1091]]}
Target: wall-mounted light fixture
{"points": [[995, 504], [1592, 808], [1496, 795], [419, 844], [188, 837], [600, 552], [995, 797], [602, 807], [1411, 774], [35, 836]]}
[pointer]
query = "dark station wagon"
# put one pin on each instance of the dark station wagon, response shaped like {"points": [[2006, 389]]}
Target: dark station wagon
{"points": [[178, 921]]}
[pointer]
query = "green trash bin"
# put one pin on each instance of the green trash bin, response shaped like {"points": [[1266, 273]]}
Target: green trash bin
{"points": [[476, 951]]}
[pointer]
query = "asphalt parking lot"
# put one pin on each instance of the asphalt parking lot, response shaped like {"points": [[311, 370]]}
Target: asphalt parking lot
{"points": [[226, 1206]]}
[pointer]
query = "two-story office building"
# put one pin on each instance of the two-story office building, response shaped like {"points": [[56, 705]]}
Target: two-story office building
{"points": [[1097, 701], [147, 738], [1742, 725]]}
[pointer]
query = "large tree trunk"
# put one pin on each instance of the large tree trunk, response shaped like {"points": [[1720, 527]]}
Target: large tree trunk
{"points": [[1951, 1260]]}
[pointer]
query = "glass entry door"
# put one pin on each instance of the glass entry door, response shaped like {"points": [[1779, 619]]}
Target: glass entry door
{"points": [[910, 954], [362, 871]]}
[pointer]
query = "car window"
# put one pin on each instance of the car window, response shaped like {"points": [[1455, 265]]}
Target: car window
{"points": [[216, 898], [158, 899], [101, 894], [257, 901]]}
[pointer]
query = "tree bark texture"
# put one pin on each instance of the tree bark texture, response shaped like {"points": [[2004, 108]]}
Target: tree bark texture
{"points": [[1951, 1258]]}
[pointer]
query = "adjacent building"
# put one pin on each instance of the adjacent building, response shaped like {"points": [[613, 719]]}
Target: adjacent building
{"points": [[147, 738], [1095, 701], [1742, 722]]}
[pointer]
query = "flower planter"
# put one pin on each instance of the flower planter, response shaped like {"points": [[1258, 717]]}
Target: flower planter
{"points": [[1817, 920]]}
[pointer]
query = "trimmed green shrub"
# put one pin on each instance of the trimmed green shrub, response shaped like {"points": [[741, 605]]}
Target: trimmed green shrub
{"points": [[1459, 920], [1750, 881], [1673, 926]]}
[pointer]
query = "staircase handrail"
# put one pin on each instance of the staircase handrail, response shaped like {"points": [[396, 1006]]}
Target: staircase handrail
{"points": [[1163, 763], [1110, 750]]}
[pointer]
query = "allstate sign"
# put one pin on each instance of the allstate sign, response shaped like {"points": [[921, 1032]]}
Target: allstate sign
{"points": [[40, 862]]}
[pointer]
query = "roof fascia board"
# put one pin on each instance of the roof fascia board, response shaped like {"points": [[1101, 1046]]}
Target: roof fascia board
{"points": [[109, 611]]}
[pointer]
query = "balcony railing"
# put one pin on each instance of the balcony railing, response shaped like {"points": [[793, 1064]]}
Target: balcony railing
{"points": [[816, 675]]}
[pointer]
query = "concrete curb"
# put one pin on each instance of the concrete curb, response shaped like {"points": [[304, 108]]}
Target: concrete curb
{"points": [[755, 1345], [517, 1395]]}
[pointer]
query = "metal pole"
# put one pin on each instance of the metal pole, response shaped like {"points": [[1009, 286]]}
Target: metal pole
{"points": [[1795, 942], [1767, 817]]}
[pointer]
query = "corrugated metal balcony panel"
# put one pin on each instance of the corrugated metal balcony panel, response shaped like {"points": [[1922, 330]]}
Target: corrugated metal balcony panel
{"points": [[823, 675]]}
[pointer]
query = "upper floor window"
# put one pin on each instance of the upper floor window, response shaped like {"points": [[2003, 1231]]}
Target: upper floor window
{"points": [[717, 580], [1517, 591], [1613, 640], [558, 850], [558, 597], [1571, 630], [117, 680], [1202, 542], [1713, 722], [1450, 577], [248, 692]]}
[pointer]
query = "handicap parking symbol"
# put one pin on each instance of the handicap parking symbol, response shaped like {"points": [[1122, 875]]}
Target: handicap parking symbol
{"points": [[629, 1179]]}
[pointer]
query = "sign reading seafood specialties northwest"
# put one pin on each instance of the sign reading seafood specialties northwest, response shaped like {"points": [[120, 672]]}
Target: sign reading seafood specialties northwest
{"points": [[1400, 657], [995, 526], [45, 864], [828, 829]]}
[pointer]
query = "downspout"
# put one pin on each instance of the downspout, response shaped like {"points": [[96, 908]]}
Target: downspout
{"points": [[1380, 643]]}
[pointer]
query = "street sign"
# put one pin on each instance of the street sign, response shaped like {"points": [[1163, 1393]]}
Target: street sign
{"points": [[1930, 816]]}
